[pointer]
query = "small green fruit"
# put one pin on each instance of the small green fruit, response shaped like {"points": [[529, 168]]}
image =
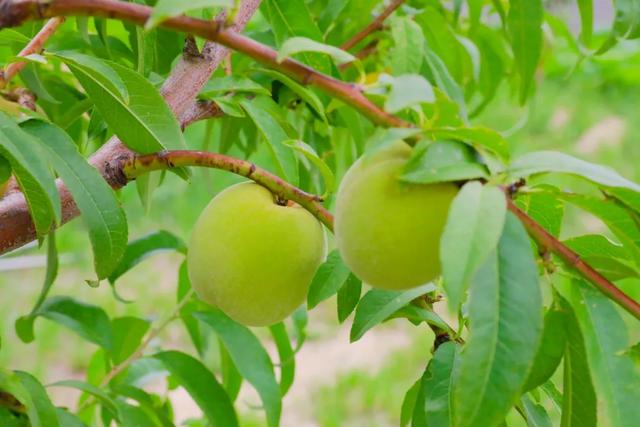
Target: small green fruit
{"points": [[252, 258], [388, 232]]}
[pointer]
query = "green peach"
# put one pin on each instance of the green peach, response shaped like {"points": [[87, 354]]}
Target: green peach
{"points": [[388, 232], [253, 258]]}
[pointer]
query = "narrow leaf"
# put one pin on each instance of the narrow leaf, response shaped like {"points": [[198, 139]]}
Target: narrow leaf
{"points": [[97, 202], [329, 277], [348, 297], [286, 356], [251, 359], [550, 161], [377, 305], [475, 222], [408, 90], [274, 135], [505, 317], [579, 403], [88, 321], [524, 23], [144, 247], [606, 341], [33, 174], [201, 385], [296, 45]]}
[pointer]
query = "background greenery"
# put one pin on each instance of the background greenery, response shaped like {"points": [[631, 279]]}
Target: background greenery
{"points": [[589, 111]]}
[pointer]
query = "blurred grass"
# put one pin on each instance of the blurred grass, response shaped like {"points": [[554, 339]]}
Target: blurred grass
{"points": [[599, 101]]}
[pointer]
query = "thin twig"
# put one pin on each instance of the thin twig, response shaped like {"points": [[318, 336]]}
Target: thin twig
{"points": [[153, 333], [375, 25], [34, 46], [548, 242], [140, 165], [363, 53]]}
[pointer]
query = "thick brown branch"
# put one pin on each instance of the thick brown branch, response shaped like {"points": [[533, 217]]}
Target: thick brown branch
{"points": [[548, 242], [138, 14], [34, 46], [375, 25]]}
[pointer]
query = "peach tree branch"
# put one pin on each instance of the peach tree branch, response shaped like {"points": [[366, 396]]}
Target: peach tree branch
{"points": [[139, 165], [15, 12]]}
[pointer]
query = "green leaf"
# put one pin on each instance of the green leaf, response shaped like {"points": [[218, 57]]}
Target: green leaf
{"points": [[40, 410], [296, 45], [619, 220], [329, 277], [545, 208], [445, 81], [67, 419], [625, 24], [308, 152], [524, 23], [348, 297], [24, 324], [408, 42], [585, 7], [305, 94], [606, 341], [418, 314], [610, 259], [105, 400], [96, 201], [231, 378], [127, 333], [505, 319], [382, 138], [220, 85], [9, 37], [201, 385], [144, 247], [479, 137], [377, 305], [286, 356], [290, 18], [409, 403], [579, 403], [144, 121], [251, 359], [406, 91], [165, 9], [550, 350], [475, 222], [629, 198], [432, 404], [88, 321], [32, 171], [274, 134], [96, 70], [537, 415], [442, 161], [539, 162]]}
